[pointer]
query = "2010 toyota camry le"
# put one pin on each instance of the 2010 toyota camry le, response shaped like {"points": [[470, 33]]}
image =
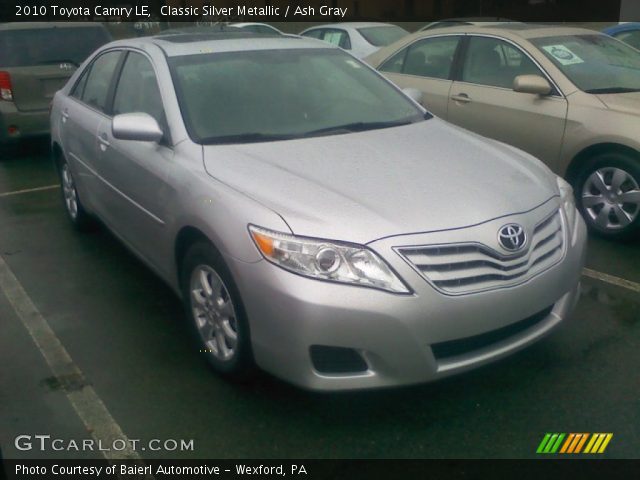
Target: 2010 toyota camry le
{"points": [[316, 221]]}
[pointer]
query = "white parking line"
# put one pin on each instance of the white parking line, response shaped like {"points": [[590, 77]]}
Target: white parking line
{"points": [[617, 281], [28, 190], [85, 401]]}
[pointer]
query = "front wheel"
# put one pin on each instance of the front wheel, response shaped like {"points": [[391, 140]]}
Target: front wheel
{"points": [[214, 307], [607, 194]]}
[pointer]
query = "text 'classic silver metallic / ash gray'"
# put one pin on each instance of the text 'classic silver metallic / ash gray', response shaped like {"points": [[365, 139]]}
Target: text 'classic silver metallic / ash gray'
{"points": [[315, 220]]}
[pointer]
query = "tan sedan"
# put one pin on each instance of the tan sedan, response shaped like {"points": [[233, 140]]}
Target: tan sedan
{"points": [[568, 96]]}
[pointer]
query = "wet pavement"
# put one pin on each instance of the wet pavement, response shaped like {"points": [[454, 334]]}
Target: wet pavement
{"points": [[126, 332]]}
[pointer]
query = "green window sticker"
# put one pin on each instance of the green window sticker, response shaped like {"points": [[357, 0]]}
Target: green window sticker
{"points": [[563, 55]]}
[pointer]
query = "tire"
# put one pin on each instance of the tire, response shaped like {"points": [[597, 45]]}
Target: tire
{"points": [[218, 318], [607, 191], [76, 213]]}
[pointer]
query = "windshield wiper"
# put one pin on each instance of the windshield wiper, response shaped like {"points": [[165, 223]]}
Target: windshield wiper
{"points": [[612, 90], [356, 127], [253, 137]]}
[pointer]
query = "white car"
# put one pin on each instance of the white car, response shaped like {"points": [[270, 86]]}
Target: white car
{"points": [[359, 38]]}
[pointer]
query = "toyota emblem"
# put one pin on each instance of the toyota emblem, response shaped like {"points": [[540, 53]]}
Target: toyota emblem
{"points": [[512, 237]]}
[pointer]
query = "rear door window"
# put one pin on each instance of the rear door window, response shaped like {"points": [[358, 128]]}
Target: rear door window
{"points": [[44, 46], [431, 57], [337, 37], [333, 36]]}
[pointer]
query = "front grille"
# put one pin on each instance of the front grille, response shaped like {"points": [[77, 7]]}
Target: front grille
{"points": [[462, 346], [337, 360], [471, 267]]}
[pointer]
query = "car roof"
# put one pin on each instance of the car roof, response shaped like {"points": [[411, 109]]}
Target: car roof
{"points": [[48, 25], [513, 29], [346, 25], [247, 24], [217, 42], [201, 29]]}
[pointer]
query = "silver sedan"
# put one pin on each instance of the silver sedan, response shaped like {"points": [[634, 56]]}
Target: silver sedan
{"points": [[314, 219]]}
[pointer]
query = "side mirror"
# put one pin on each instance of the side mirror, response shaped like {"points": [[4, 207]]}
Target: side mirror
{"points": [[534, 84], [136, 126], [414, 94]]}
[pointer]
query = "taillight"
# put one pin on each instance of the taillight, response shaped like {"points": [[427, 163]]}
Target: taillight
{"points": [[6, 92]]}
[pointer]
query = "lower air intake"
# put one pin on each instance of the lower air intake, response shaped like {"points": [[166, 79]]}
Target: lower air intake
{"points": [[466, 345], [337, 360]]}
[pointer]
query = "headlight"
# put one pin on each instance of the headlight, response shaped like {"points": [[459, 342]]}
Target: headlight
{"points": [[336, 262], [568, 202]]}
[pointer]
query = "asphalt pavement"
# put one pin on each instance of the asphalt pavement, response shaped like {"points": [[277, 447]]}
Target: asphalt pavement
{"points": [[125, 333]]}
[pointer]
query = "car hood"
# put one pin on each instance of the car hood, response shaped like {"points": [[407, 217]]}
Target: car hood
{"points": [[622, 102], [364, 186]]}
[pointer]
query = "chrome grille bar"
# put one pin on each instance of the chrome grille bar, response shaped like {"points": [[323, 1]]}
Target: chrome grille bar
{"points": [[467, 268]]}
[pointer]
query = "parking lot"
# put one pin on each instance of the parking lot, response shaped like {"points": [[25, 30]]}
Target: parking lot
{"points": [[124, 331]]}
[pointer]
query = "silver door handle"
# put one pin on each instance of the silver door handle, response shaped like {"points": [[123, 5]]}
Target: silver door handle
{"points": [[104, 143], [461, 97], [65, 115]]}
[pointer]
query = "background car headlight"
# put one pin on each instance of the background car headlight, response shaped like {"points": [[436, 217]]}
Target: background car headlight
{"points": [[568, 202], [337, 262]]}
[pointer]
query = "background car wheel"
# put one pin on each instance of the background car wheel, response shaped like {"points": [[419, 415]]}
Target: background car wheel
{"points": [[214, 308], [75, 211], [607, 194]]}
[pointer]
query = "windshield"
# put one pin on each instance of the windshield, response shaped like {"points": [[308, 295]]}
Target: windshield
{"points": [[41, 46], [252, 96], [594, 63], [382, 36]]}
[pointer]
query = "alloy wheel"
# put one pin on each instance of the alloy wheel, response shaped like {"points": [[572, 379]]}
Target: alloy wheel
{"points": [[611, 198], [213, 313], [69, 192]]}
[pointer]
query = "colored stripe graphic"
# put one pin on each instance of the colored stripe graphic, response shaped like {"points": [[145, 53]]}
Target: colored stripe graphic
{"points": [[573, 443], [605, 443], [568, 442], [581, 443], [543, 443], [555, 447], [598, 442], [590, 444], [550, 443]]}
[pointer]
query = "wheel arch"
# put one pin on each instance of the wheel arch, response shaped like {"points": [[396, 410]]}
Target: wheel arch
{"points": [[186, 237], [56, 154], [573, 169]]}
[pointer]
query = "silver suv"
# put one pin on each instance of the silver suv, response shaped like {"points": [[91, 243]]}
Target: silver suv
{"points": [[315, 220]]}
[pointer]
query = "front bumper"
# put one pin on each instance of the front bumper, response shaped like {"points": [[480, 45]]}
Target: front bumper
{"points": [[395, 333]]}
